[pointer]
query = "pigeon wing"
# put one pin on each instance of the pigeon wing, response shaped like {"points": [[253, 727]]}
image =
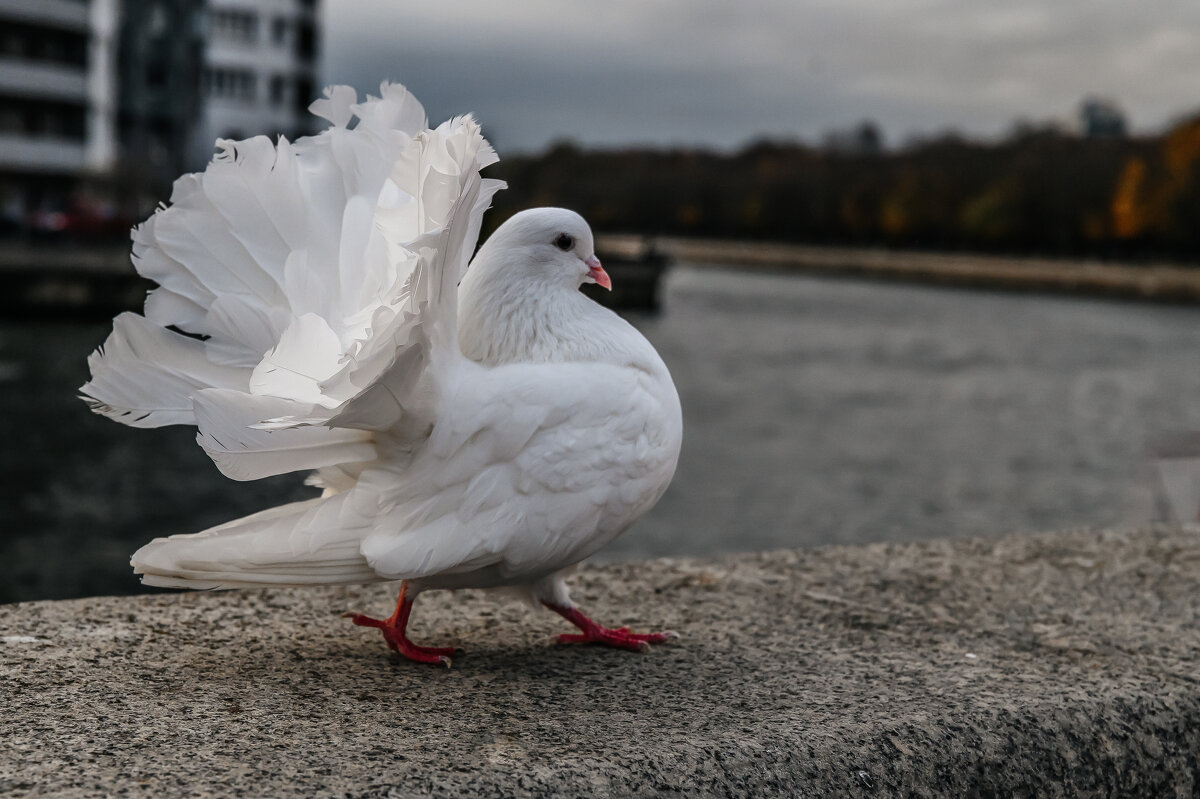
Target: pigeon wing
{"points": [[528, 464]]}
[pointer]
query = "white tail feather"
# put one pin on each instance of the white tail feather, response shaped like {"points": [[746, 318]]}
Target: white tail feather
{"points": [[305, 271], [289, 545], [230, 434], [145, 375]]}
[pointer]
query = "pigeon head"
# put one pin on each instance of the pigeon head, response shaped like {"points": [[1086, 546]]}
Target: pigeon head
{"points": [[520, 299], [546, 246]]}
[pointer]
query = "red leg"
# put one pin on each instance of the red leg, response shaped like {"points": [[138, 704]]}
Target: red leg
{"points": [[393, 629], [593, 633]]}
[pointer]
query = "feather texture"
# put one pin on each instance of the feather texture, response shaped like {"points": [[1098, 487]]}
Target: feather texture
{"points": [[227, 432], [263, 549], [145, 375]]}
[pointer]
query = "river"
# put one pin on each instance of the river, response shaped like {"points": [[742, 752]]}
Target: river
{"points": [[817, 411]]}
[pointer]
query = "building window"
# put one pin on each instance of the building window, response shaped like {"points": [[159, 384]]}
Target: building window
{"points": [[278, 89], [12, 43], [234, 26], [42, 118], [279, 32], [11, 120], [156, 74], [303, 95], [306, 41], [230, 84], [36, 43]]}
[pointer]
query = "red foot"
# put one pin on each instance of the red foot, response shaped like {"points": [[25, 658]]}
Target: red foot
{"points": [[393, 633], [593, 633]]}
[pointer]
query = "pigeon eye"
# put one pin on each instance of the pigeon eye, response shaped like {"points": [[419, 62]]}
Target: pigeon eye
{"points": [[564, 242]]}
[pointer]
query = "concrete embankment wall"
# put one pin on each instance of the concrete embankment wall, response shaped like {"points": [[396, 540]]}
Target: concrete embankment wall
{"points": [[1053, 665], [1159, 282]]}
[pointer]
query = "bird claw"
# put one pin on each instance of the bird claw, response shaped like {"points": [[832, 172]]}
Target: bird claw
{"points": [[434, 655], [420, 657], [592, 633], [363, 621], [397, 641], [619, 638]]}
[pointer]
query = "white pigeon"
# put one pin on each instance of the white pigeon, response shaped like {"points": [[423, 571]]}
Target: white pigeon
{"points": [[310, 317]]}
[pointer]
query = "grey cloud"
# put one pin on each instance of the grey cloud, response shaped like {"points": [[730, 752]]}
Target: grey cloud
{"points": [[720, 73]]}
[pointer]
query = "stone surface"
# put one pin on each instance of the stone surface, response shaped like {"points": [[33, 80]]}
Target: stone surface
{"points": [[1051, 665]]}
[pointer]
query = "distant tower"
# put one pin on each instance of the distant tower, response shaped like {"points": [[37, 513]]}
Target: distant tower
{"points": [[865, 138], [1101, 118], [161, 55], [57, 100], [259, 72]]}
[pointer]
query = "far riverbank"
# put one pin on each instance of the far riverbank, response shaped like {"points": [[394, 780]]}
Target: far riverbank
{"points": [[1150, 281]]}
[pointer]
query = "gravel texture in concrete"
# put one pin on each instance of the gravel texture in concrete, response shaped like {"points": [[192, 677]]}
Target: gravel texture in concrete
{"points": [[1054, 665]]}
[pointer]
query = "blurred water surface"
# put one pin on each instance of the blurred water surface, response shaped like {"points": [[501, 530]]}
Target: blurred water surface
{"points": [[817, 411]]}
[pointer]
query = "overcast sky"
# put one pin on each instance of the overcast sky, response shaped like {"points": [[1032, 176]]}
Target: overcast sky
{"points": [[722, 72]]}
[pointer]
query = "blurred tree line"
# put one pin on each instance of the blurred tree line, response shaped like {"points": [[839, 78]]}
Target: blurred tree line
{"points": [[1039, 191]]}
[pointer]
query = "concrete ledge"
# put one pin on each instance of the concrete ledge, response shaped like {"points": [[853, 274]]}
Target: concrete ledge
{"points": [[1050, 665]]}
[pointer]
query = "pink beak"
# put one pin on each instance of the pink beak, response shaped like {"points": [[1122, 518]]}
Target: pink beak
{"points": [[597, 274]]}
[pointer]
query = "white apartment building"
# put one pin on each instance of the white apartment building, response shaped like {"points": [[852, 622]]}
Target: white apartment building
{"points": [[115, 98], [57, 97], [259, 71]]}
